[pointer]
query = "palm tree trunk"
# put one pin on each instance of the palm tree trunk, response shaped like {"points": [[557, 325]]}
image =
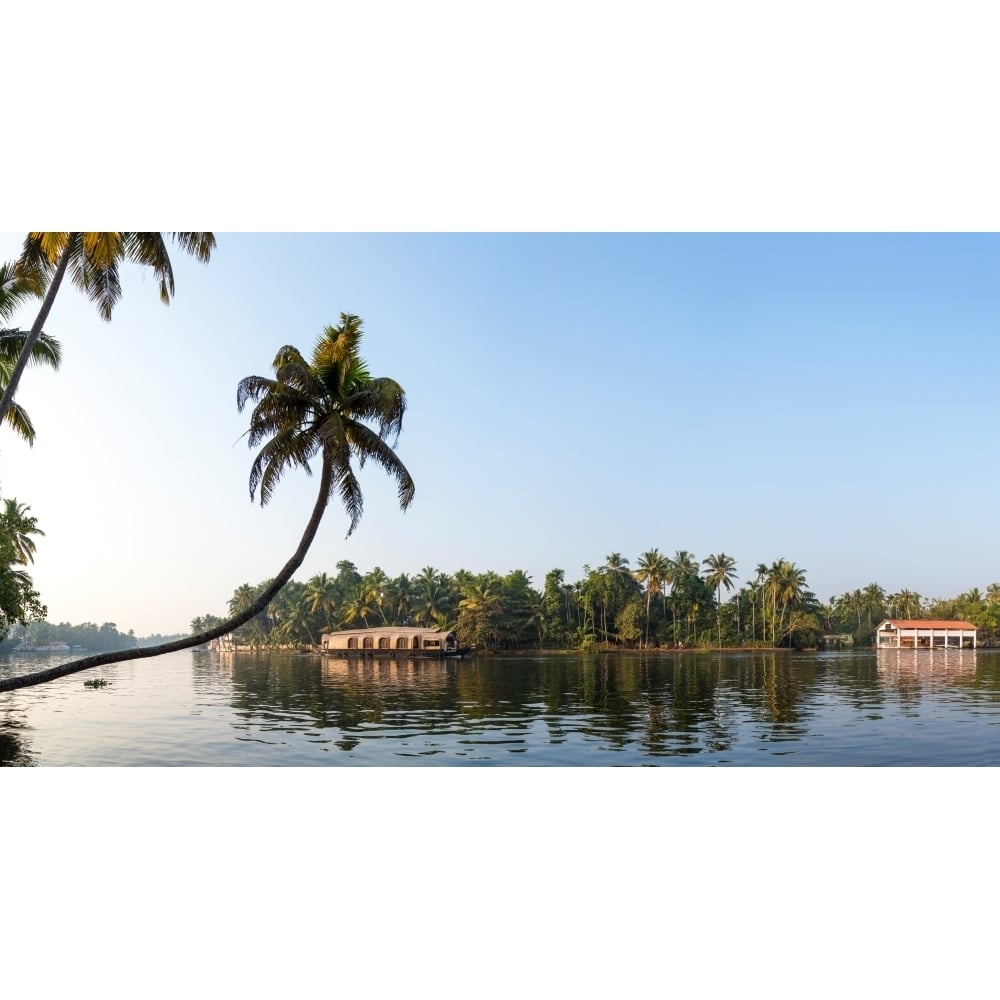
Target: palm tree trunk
{"points": [[718, 612], [36, 329], [649, 595], [253, 609]]}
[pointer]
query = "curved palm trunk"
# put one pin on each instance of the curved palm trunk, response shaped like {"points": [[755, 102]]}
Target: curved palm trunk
{"points": [[265, 598], [36, 329]]}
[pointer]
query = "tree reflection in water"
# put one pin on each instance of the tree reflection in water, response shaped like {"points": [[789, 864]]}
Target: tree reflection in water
{"points": [[754, 707]]}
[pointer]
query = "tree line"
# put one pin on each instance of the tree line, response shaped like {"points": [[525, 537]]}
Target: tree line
{"points": [[84, 636], [660, 602]]}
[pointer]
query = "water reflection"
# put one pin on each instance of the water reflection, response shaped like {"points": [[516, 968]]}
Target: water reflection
{"points": [[729, 708], [927, 667], [14, 749], [747, 708]]}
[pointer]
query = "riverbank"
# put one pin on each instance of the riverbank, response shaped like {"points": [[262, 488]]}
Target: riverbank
{"points": [[632, 651]]}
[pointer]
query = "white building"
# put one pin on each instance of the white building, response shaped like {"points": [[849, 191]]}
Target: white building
{"points": [[918, 633]]}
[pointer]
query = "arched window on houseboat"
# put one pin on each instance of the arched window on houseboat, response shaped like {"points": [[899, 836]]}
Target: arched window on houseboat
{"points": [[352, 643], [368, 644], [416, 642], [401, 642], [383, 642]]}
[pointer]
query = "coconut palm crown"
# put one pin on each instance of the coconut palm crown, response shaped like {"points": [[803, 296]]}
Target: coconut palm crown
{"points": [[324, 407], [93, 260]]}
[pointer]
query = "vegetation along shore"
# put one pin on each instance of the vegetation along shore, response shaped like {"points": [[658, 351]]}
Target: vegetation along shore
{"points": [[659, 603]]}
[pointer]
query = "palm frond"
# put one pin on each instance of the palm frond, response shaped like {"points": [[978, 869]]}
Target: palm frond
{"points": [[150, 250], [16, 289], [103, 250], [99, 283], [368, 445], [41, 251], [198, 245], [253, 388], [349, 489], [20, 423], [381, 399], [46, 350]]}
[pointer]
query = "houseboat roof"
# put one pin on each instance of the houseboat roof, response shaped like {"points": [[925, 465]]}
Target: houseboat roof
{"points": [[926, 623], [394, 629]]}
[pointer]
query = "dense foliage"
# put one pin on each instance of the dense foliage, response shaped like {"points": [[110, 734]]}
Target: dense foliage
{"points": [[86, 636], [664, 602], [20, 603]]}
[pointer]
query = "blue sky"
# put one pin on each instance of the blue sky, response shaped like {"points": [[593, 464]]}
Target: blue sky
{"points": [[823, 398]]}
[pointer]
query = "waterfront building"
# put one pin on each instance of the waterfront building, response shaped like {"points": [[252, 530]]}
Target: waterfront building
{"points": [[920, 633]]}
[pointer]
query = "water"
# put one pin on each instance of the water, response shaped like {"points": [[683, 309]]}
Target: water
{"points": [[761, 709]]}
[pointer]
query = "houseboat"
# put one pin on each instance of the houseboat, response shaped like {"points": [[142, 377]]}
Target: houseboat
{"points": [[392, 640], [919, 633]]}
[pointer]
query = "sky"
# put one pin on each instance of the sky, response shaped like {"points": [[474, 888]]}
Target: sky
{"points": [[822, 398]]}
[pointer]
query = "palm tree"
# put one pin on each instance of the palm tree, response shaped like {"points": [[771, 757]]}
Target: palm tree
{"points": [[321, 407], [760, 575], [478, 610], [721, 573], [431, 600], [788, 585], [401, 593], [374, 585], [92, 260], [357, 606], [18, 527], [652, 571], [682, 566], [320, 596], [618, 575], [874, 598], [19, 601], [244, 598], [15, 290]]}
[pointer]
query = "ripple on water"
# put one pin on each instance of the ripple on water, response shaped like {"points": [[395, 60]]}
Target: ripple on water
{"points": [[192, 709]]}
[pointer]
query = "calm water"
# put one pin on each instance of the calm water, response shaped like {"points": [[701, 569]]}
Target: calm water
{"points": [[197, 708]]}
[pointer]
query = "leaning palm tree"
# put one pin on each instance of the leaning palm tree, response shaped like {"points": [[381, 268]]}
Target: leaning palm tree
{"points": [[92, 260], [319, 408]]}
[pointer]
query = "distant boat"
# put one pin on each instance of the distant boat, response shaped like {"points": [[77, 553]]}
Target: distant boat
{"points": [[393, 640]]}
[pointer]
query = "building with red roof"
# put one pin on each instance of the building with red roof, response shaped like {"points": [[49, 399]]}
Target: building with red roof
{"points": [[925, 633]]}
